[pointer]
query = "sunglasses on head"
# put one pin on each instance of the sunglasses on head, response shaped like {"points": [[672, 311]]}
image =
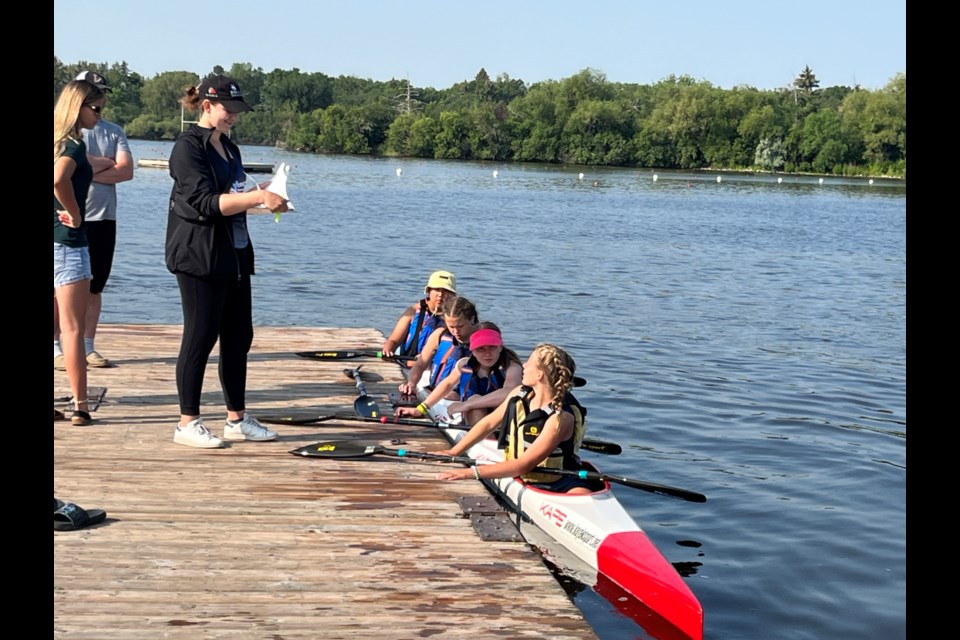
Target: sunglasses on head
{"points": [[95, 108]]}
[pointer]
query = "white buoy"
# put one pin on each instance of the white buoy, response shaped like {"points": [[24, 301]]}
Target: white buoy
{"points": [[399, 171], [779, 180], [580, 176], [494, 173], [719, 179], [655, 177], [821, 180], [871, 180]]}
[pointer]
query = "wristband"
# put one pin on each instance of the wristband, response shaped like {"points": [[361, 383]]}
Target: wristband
{"points": [[476, 472], [422, 408]]}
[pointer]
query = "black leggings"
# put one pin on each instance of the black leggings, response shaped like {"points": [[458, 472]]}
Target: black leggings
{"points": [[214, 309]]}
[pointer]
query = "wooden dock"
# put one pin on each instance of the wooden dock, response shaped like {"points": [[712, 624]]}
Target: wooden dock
{"points": [[252, 542]]}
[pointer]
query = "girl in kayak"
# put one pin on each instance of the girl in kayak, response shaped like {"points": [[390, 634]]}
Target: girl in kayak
{"points": [[415, 325], [443, 348], [478, 382], [538, 428]]}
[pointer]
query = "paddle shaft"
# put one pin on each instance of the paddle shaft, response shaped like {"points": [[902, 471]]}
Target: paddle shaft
{"points": [[590, 444], [690, 496], [347, 355], [349, 449], [360, 450], [356, 376]]}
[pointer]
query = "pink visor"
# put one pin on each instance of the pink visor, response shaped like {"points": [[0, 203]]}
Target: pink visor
{"points": [[485, 338]]}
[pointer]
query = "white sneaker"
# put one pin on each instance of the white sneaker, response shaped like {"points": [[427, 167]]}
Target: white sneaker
{"points": [[248, 429], [196, 435]]}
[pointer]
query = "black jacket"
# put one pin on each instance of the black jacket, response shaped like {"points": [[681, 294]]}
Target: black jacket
{"points": [[199, 237]]}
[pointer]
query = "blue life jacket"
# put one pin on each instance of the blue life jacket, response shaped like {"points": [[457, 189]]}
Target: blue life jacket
{"points": [[422, 324], [449, 351], [472, 385]]}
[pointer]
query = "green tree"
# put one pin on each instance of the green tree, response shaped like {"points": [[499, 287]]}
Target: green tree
{"points": [[423, 135], [597, 132], [296, 91], [535, 127], [341, 131], [399, 133], [881, 119], [453, 137], [769, 154], [822, 144], [763, 128]]}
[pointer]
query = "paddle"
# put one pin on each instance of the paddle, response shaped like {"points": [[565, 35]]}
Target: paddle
{"points": [[590, 444], [359, 450], [364, 404], [346, 355], [660, 489]]}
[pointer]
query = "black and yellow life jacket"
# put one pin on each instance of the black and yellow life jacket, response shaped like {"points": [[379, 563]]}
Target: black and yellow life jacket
{"points": [[520, 420]]}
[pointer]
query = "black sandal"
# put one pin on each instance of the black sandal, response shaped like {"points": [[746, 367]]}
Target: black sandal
{"points": [[58, 415], [80, 418]]}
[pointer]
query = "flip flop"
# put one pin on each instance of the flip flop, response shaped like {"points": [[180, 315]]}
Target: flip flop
{"points": [[57, 504], [71, 517]]}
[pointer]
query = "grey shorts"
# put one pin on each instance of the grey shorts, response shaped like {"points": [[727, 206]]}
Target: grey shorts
{"points": [[70, 264]]}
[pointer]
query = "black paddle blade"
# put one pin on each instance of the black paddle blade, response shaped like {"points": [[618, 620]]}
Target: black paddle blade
{"points": [[337, 355], [337, 450], [294, 418], [366, 407], [601, 446]]}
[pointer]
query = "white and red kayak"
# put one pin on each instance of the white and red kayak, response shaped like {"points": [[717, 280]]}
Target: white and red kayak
{"points": [[596, 529]]}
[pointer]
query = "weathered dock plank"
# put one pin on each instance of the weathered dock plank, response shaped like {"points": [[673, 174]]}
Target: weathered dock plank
{"points": [[252, 542]]}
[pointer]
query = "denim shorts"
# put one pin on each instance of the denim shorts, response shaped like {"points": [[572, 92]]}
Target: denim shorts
{"points": [[70, 264]]}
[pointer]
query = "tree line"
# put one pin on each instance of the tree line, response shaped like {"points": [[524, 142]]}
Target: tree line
{"points": [[676, 123]]}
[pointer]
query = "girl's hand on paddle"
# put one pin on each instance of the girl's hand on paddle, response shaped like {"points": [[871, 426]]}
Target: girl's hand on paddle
{"points": [[407, 412]]}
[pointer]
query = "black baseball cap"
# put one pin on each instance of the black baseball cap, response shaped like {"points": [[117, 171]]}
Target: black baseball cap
{"points": [[94, 78], [225, 90]]}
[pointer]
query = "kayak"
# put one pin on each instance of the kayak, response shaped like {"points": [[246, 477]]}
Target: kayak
{"points": [[598, 531]]}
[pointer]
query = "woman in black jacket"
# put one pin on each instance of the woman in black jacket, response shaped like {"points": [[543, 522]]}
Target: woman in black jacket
{"points": [[209, 250]]}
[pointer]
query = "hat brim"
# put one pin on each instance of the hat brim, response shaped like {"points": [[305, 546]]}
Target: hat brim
{"points": [[427, 288], [485, 343], [236, 106]]}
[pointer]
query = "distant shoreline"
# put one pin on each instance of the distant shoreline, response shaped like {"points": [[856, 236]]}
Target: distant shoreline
{"points": [[742, 172]]}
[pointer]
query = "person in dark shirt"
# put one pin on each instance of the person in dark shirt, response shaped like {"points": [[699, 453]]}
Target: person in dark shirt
{"points": [[208, 248]]}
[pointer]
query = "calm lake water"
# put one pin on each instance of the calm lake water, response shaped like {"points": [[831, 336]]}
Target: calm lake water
{"points": [[743, 339]]}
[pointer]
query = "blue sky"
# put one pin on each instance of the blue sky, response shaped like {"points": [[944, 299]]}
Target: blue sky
{"points": [[437, 43]]}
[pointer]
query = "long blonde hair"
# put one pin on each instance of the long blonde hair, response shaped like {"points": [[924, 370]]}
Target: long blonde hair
{"points": [[559, 368], [66, 113]]}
